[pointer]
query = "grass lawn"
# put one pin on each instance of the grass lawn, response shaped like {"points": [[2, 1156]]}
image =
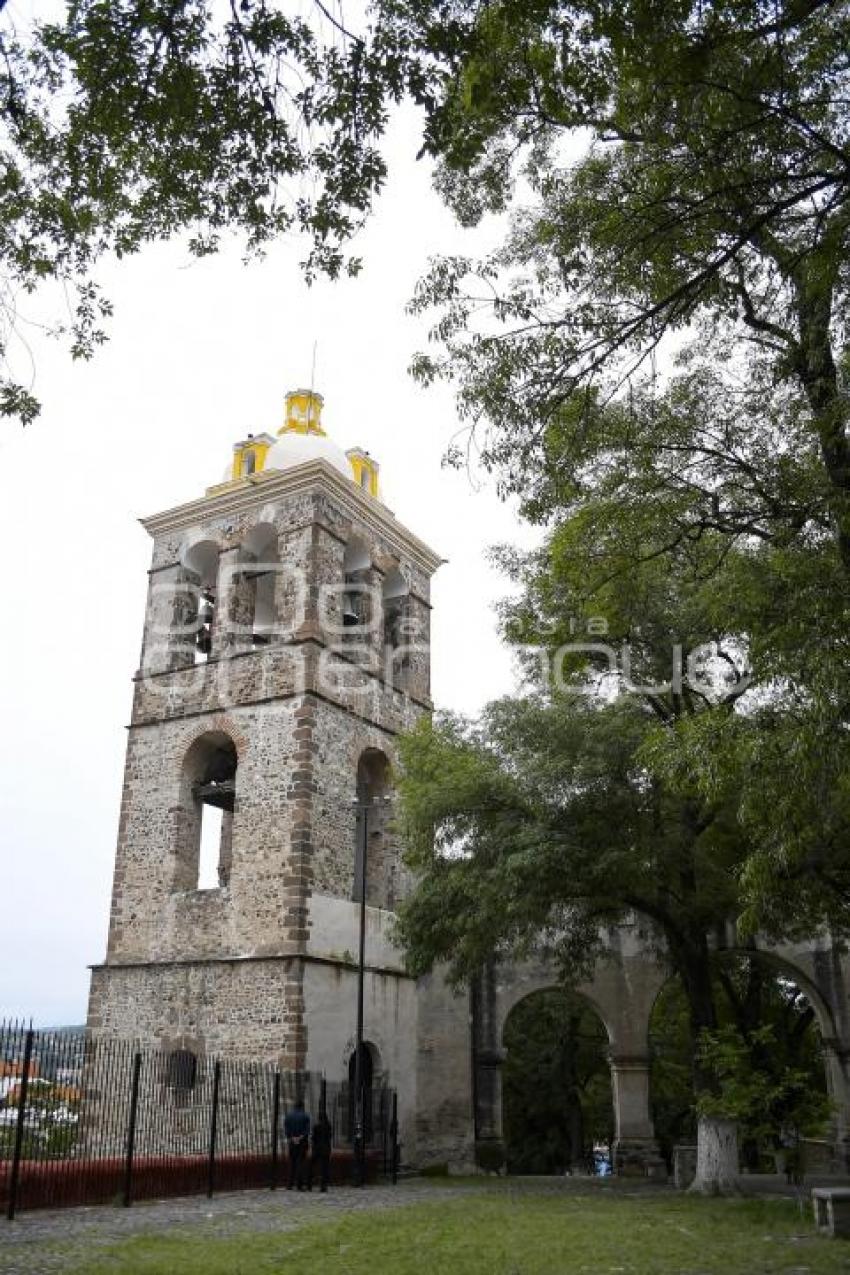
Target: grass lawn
{"points": [[505, 1232]]}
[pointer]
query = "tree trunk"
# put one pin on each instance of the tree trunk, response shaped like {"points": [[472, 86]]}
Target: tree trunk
{"points": [[717, 1139], [818, 372], [717, 1158]]}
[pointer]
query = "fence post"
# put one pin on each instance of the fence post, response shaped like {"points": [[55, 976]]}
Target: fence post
{"points": [[394, 1138], [131, 1129], [14, 1177], [275, 1130], [213, 1127]]}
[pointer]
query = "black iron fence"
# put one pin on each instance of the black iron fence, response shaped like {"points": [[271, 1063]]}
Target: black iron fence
{"points": [[86, 1120]]}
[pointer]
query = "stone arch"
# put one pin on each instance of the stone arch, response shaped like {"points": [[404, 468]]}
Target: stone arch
{"points": [[556, 1047], [377, 1050], [542, 985], [621, 992], [222, 724], [193, 542], [543, 980], [196, 599], [207, 784], [372, 1059], [784, 962], [359, 606], [805, 965], [372, 831], [371, 1079], [251, 588], [788, 960]]}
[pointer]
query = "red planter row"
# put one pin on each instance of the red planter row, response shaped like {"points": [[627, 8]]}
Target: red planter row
{"points": [[63, 1183]]}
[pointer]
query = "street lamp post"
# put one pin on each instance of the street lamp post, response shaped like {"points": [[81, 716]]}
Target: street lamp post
{"points": [[359, 1144], [359, 1113]]}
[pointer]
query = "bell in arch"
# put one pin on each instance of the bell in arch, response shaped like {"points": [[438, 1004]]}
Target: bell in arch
{"points": [[206, 609], [350, 613]]}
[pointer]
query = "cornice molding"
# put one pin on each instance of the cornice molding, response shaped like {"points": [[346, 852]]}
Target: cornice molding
{"points": [[272, 485]]}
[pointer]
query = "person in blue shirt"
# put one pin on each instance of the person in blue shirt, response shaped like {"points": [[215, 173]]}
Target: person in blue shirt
{"points": [[296, 1130]]}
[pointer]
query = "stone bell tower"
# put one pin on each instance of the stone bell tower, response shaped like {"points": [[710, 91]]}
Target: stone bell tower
{"points": [[285, 647]]}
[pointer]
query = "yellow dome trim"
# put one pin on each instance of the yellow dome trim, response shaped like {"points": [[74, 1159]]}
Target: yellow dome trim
{"points": [[364, 470], [303, 413], [242, 466]]}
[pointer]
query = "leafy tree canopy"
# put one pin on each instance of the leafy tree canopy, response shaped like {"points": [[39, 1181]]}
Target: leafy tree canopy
{"points": [[681, 630], [678, 158], [711, 196], [126, 122], [696, 520]]}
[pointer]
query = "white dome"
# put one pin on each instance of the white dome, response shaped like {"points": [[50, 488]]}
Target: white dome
{"points": [[295, 449]]}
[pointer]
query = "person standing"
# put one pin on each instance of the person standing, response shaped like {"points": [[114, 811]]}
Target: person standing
{"points": [[296, 1130], [322, 1140]]}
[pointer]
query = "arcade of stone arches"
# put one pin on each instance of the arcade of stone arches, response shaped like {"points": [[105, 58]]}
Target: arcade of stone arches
{"points": [[604, 1068]]}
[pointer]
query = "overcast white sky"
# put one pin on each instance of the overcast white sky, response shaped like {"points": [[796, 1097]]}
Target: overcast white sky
{"points": [[200, 353]]}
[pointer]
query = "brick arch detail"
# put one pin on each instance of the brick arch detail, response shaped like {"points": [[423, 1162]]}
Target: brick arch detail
{"points": [[219, 723]]}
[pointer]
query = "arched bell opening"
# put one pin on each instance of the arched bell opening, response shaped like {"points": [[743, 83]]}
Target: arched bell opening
{"points": [[357, 604], [255, 586], [772, 1026], [195, 608], [372, 837], [557, 1102], [205, 815], [397, 636]]}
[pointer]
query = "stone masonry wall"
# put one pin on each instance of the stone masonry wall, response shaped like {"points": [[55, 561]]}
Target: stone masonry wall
{"points": [[235, 1008]]}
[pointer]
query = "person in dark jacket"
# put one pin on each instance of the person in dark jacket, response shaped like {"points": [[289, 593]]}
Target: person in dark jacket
{"points": [[296, 1130], [322, 1139]]}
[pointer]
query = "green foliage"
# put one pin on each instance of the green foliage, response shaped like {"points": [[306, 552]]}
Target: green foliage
{"points": [[687, 165], [670, 662], [707, 220], [701, 215], [124, 124], [764, 1101], [540, 825], [765, 1055], [684, 160]]}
